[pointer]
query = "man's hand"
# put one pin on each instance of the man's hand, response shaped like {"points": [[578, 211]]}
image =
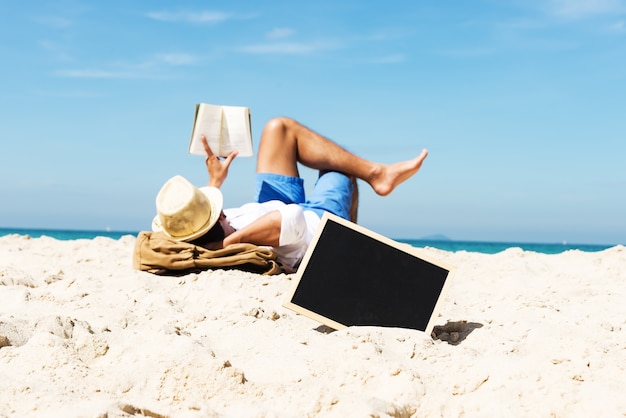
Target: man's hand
{"points": [[218, 169]]}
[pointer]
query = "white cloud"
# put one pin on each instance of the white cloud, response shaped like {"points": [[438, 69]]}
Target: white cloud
{"points": [[466, 52], [390, 59], [154, 68], [577, 9], [386, 34], [191, 17], [104, 74], [54, 21], [80, 94], [177, 58], [280, 33], [290, 48], [521, 24], [55, 49], [618, 27]]}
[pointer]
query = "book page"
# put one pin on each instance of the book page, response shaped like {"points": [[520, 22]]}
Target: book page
{"points": [[236, 132], [208, 122]]}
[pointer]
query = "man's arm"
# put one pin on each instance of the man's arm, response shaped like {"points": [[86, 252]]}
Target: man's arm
{"points": [[263, 231]]}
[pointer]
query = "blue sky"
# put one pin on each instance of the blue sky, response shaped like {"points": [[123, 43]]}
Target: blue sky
{"points": [[521, 104]]}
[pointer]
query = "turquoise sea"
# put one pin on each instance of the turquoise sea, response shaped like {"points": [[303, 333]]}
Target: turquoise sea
{"points": [[496, 247], [446, 245]]}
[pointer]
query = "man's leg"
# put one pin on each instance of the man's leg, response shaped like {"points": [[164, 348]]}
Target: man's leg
{"points": [[354, 205], [285, 142]]}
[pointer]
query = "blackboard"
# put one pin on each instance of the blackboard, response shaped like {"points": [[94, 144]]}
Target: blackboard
{"points": [[351, 276]]}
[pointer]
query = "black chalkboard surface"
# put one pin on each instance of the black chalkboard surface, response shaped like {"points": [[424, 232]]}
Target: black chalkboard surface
{"points": [[351, 276]]}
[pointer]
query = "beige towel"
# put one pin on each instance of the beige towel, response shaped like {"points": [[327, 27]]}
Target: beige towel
{"points": [[156, 253]]}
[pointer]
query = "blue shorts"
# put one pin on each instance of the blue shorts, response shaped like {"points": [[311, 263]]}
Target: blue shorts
{"points": [[332, 192]]}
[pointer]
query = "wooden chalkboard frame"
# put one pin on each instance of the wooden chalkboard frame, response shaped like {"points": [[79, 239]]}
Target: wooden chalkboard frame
{"points": [[340, 281]]}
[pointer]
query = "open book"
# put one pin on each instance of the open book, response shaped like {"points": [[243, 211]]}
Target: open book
{"points": [[226, 128]]}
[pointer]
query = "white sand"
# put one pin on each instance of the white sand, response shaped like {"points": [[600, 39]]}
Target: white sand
{"points": [[84, 335]]}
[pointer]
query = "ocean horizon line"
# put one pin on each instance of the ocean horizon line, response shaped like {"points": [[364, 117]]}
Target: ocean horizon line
{"points": [[446, 244]]}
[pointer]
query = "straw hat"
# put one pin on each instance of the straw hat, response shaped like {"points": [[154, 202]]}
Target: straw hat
{"points": [[184, 211]]}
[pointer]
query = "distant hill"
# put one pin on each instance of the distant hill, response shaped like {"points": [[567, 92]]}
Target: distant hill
{"points": [[435, 237]]}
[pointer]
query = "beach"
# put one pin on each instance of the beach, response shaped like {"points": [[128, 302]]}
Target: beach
{"points": [[519, 333]]}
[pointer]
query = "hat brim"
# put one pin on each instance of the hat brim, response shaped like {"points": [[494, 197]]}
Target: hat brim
{"points": [[216, 200]]}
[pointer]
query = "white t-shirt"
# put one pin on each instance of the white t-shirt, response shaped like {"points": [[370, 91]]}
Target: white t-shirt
{"points": [[296, 230]]}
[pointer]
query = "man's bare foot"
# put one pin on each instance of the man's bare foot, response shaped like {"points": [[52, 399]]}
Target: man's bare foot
{"points": [[389, 176]]}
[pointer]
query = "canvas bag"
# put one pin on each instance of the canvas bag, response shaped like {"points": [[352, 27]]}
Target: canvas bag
{"points": [[156, 253]]}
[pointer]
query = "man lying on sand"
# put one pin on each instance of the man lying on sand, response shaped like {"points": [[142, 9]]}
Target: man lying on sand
{"points": [[281, 217]]}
